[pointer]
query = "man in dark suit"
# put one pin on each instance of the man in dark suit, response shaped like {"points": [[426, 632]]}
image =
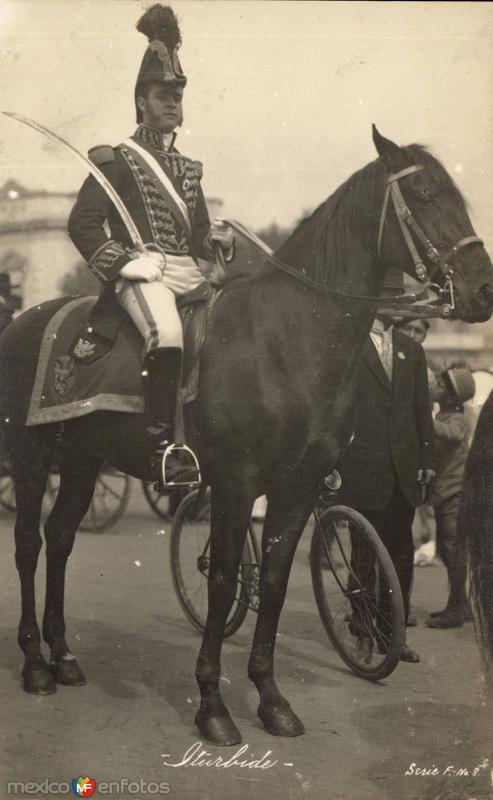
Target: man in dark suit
{"points": [[390, 456]]}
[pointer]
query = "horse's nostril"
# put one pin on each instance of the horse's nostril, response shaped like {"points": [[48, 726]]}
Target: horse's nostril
{"points": [[485, 295]]}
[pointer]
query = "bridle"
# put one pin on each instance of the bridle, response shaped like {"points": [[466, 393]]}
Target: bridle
{"points": [[409, 226]]}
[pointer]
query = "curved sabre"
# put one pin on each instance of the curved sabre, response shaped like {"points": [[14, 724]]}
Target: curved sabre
{"points": [[95, 172]]}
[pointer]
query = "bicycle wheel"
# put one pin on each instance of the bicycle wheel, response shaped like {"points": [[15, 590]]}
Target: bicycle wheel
{"points": [[164, 504], [357, 591], [190, 558]]}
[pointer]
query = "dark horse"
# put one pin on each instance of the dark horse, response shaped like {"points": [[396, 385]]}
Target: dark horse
{"points": [[475, 529], [276, 395]]}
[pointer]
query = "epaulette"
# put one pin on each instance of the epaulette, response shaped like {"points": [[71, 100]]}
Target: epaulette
{"points": [[102, 154]]}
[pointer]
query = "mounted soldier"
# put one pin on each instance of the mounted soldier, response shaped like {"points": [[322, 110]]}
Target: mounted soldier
{"points": [[161, 189]]}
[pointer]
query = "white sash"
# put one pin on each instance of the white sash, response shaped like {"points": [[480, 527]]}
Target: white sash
{"points": [[156, 168]]}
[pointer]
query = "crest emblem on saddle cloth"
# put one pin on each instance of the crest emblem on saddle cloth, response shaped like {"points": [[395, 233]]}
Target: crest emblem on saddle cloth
{"points": [[64, 375], [83, 349]]}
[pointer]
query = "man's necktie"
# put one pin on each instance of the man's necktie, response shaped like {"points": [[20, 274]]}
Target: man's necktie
{"points": [[386, 356]]}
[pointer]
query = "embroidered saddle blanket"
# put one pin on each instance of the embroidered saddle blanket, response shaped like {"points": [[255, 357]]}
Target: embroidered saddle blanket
{"points": [[67, 386]]}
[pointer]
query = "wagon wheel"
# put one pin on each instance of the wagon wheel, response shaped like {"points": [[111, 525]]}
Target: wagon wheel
{"points": [[357, 591], [189, 552], [109, 502], [163, 503]]}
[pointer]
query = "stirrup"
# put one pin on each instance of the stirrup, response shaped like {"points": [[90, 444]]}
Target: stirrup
{"points": [[175, 474]]}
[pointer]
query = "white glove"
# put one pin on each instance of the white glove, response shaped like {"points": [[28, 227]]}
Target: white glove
{"points": [[144, 268]]}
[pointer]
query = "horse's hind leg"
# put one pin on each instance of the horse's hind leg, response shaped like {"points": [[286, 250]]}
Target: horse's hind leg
{"points": [[230, 512], [31, 452], [78, 473], [284, 523]]}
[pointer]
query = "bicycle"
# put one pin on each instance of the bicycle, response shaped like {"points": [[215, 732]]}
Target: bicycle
{"points": [[356, 588]]}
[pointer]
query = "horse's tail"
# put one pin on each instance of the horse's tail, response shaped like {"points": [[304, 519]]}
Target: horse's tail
{"points": [[475, 529]]}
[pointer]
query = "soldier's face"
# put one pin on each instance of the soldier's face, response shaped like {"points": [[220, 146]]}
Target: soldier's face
{"points": [[162, 108]]}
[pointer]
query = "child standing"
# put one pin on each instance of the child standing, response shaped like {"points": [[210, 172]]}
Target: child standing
{"points": [[453, 387]]}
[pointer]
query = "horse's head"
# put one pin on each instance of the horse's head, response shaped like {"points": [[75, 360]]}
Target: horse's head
{"points": [[425, 229]]}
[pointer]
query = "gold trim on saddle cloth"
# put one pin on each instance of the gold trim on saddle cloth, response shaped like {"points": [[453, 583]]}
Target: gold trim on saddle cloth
{"points": [[77, 408]]}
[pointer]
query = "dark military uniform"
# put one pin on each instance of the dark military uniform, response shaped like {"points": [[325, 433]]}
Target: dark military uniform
{"points": [[152, 211], [166, 202]]}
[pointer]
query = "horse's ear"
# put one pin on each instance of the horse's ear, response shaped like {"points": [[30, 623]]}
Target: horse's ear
{"points": [[390, 153]]}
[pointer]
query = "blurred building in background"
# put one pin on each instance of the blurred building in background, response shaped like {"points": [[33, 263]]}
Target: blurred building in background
{"points": [[34, 246]]}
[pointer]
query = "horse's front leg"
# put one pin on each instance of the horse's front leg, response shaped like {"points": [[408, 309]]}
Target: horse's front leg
{"points": [[287, 514], [78, 473], [230, 513]]}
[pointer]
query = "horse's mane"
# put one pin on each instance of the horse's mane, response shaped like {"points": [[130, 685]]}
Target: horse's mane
{"points": [[317, 245]]}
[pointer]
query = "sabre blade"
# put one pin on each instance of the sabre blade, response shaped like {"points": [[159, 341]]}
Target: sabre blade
{"points": [[95, 172]]}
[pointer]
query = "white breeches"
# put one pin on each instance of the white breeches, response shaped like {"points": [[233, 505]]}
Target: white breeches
{"points": [[152, 306]]}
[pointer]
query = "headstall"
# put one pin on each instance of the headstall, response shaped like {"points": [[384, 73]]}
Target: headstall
{"points": [[409, 226]]}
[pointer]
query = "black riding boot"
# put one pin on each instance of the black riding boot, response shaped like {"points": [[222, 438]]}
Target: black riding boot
{"points": [[161, 376], [172, 464]]}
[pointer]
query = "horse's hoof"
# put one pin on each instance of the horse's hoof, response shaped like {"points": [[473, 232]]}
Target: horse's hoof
{"points": [[220, 731], [38, 679], [280, 720], [67, 673]]}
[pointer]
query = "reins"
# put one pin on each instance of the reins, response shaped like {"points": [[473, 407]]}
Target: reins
{"points": [[302, 277]]}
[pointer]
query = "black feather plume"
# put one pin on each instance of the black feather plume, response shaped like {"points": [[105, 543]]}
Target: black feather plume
{"points": [[159, 22]]}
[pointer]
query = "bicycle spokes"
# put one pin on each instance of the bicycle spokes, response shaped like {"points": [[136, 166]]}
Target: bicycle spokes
{"points": [[355, 588]]}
